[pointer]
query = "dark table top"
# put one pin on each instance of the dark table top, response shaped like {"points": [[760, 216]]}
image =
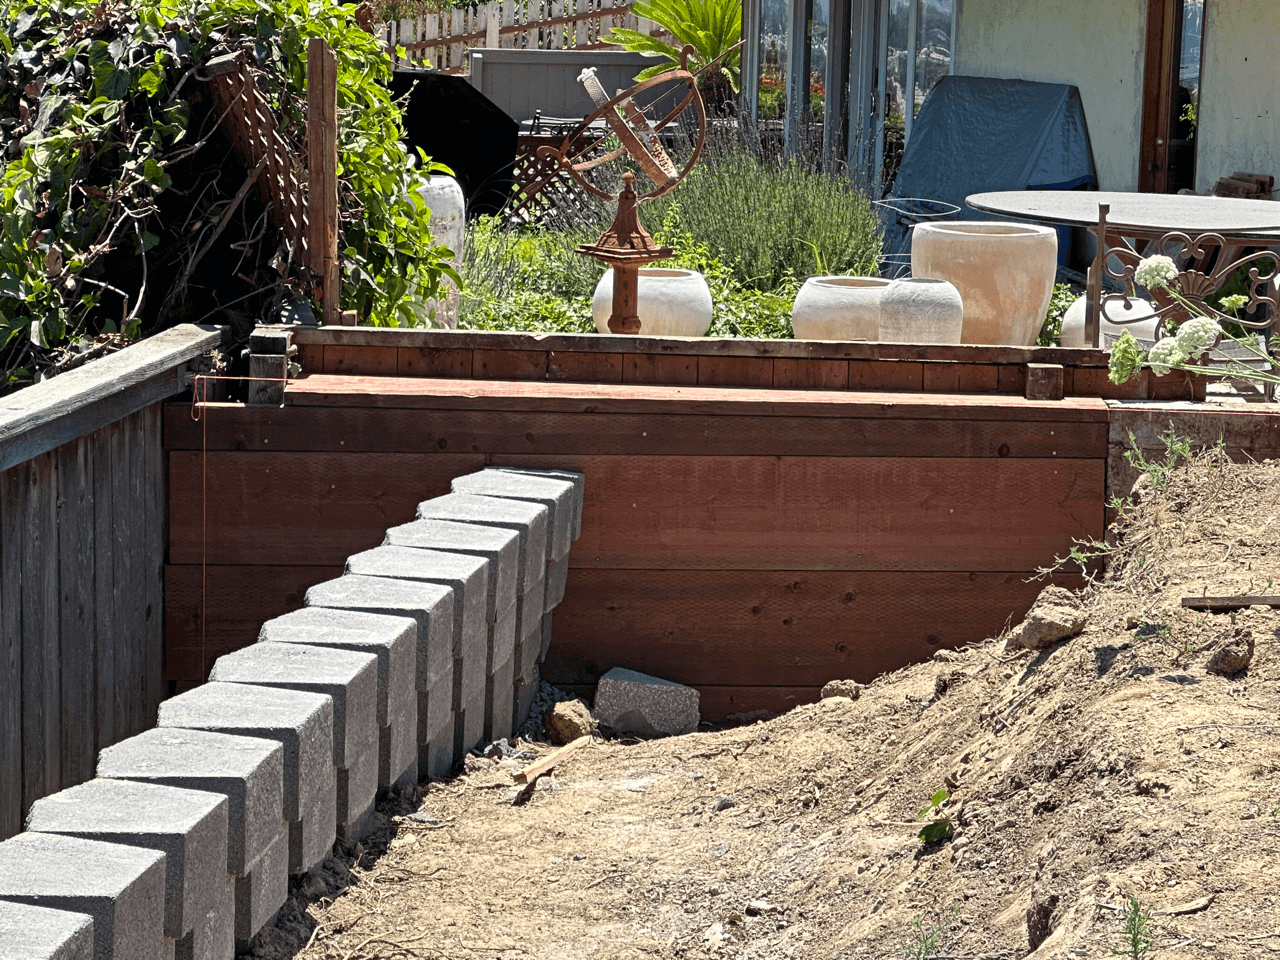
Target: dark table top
{"points": [[1147, 212]]}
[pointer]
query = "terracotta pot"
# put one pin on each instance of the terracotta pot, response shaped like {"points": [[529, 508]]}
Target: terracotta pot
{"points": [[1004, 272], [1145, 329], [672, 303], [920, 310], [838, 308], [444, 197]]}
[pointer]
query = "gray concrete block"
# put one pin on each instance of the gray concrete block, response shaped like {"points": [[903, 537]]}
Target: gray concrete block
{"points": [[529, 613], [579, 481], [528, 519], [530, 648], [556, 495], [546, 636], [303, 723], [468, 726], [498, 545], [39, 933], [499, 698], [263, 888], [350, 677], [393, 640], [429, 605], [188, 826], [435, 707], [248, 771], [557, 577], [632, 702], [526, 691], [441, 758], [121, 887], [502, 639]]}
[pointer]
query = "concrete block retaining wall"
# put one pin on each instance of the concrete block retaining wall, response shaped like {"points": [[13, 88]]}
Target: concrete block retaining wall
{"points": [[426, 647]]}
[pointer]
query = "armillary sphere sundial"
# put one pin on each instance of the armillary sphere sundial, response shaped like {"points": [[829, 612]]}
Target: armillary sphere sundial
{"points": [[626, 246]]}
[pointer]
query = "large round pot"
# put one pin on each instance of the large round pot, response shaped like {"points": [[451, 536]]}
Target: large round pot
{"points": [[921, 310], [444, 198], [1004, 272], [671, 303], [1140, 310], [838, 308]]}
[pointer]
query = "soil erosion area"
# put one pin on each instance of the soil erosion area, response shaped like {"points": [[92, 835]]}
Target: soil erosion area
{"points": [[1134, 759]]}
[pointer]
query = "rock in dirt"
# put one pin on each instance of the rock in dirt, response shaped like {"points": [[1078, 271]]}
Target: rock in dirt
{"points": [[631, 702], [1233, 654], [842, 688], [566, 722], [1056, 615]]}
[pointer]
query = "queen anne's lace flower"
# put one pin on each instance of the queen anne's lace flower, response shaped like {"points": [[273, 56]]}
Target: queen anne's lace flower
{"points": [[1154, 272], [1164, 355], [1197, 336]]}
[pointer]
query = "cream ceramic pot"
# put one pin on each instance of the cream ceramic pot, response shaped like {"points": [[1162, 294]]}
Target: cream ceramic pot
{"points": [[1004, 272], [920, 310], [671, 303], [838, 308], [1139, 310]]}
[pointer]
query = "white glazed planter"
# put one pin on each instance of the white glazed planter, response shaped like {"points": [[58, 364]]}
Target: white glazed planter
{"points": [[921, 310], [838, 308], [1145, 329], [670, 303], [1004, 272], [444, 197]]}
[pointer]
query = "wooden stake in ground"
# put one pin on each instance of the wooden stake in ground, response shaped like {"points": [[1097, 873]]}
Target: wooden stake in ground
{"points": [[322, 170]]}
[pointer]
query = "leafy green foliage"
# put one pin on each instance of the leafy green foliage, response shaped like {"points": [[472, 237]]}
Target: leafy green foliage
{"points": [[1051, 331], [711, 27], [1136, 932], [941, 827], [928, 938]]}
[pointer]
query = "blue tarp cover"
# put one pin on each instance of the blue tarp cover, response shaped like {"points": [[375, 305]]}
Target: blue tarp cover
{"points": [[978, 134]]}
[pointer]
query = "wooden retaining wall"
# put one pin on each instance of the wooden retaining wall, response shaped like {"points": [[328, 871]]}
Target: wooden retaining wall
{"points": [[752, 541], [82, 538]]}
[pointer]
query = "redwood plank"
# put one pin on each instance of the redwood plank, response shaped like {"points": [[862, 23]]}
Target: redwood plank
{"points": [[76, 600], [509, 364], [310, 357], [1094, 382], [1012, 378], [297, 508], [961, 378], [351, 430], [41, 623], [806, 374], [886, 375], [239, 601], [585, 367], [433, 362], [656, 368], [406, 393], [12, 533], [735, 372], [789, 628], [361, 361]]}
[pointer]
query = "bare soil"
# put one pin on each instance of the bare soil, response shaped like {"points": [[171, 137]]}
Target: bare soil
{"points": [[1111, 765]]}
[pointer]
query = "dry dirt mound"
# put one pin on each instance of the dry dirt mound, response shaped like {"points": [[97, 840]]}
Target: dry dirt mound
{"points": [[1112, 764]]}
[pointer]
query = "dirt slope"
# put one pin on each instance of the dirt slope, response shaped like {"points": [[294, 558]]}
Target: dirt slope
{"points": [[1111, 765]]}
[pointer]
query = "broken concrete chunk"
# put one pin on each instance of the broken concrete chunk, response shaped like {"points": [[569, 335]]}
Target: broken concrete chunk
{"points": [[1056, 615], [631, 702], [842, 688]]}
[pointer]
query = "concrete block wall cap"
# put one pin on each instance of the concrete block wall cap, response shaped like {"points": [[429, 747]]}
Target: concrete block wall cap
{"points": [[120, 887], [528, 519], [302, 722], [555, 495], [188, 826], [263, 889], [499, 545], [41, 933], [349, 677], [430, 605], [634, 702], [579, 481], [248, 771], [466, 575]]}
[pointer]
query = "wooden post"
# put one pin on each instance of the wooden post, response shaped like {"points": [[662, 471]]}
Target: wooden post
{"points": [[626, 300], [322, 168]]}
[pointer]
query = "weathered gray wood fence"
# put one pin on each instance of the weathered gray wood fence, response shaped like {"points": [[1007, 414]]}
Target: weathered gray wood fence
{"points": [[82, 538]]}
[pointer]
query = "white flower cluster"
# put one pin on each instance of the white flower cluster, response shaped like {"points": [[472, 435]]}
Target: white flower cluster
{"points": [[1194, 338], [1164, 355], [1155, 272]]}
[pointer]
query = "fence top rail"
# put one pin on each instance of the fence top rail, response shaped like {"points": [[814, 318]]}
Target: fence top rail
{"points": [[44, 416]]}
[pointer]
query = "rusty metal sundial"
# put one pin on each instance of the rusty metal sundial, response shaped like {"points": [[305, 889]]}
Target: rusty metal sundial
{"points": [[626, 246]]}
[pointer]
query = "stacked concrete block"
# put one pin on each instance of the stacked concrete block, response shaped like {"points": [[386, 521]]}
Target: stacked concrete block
{"points": [[39, 933], [501, 548], [529, 521], [249, 772], [468, 577], [303, 724], [121, 887], [188, 826], [431, 607], [394, 641], [579, 481], [351, 679]]}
